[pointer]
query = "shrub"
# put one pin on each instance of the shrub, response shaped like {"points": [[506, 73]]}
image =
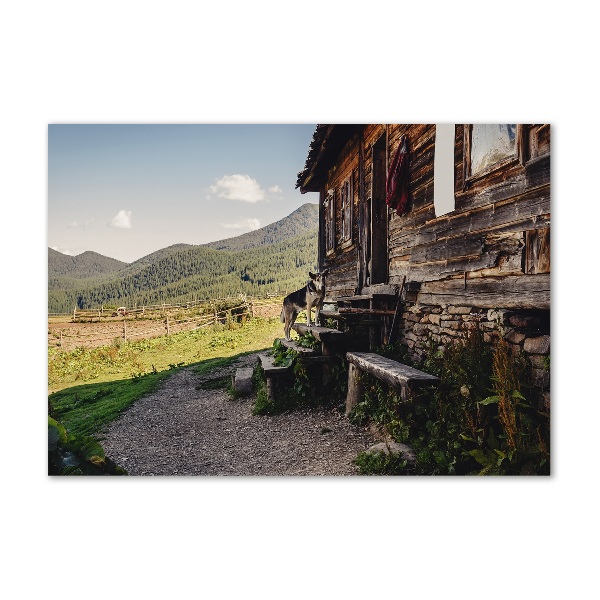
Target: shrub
{"points": [[483, 418], [303, 387], [380, 463]]}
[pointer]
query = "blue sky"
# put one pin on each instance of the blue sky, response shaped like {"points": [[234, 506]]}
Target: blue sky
{"points": [[127, 190]]}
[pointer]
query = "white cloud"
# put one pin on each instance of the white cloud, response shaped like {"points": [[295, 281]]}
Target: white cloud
{"points": [[76, 225], [238, 187], [250, 223], [275, 189], [122, 220], [63, 251]]}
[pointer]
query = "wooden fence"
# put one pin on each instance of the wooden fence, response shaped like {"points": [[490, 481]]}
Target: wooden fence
{"points": [[93, 328]]}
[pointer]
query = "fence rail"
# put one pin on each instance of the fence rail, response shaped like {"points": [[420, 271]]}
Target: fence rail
{"points": [[84, 331], [105, 311]]}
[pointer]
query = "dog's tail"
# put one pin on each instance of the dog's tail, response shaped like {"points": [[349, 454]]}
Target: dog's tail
{"points": [[281, 317]]}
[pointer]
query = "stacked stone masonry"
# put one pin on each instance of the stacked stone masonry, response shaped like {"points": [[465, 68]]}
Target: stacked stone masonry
{"points": [[524, 331]]}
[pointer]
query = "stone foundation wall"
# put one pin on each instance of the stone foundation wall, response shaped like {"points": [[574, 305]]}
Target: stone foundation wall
{"points": [[528, 331]]}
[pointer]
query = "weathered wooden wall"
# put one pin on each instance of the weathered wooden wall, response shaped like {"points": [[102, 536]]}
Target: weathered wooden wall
{"points": [[476, 255], [343, 259], [492, 251], [486, 262]]}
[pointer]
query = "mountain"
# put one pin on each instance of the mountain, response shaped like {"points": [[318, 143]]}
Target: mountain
{"points": [[272, 259], [88, 264], [302, 220]]}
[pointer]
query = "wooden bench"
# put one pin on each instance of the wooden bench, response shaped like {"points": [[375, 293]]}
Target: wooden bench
{"points": [[395, 374]]}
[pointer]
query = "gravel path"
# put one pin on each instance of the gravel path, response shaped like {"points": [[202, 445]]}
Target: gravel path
{"points": [[182, 429]]}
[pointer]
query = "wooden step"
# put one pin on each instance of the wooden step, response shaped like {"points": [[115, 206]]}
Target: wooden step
{"points": [[267, 362], [323, 334], [293, 345]]}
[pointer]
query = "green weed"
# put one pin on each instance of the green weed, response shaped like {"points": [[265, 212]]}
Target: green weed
{"points": [[380, 463], [483, 418]]}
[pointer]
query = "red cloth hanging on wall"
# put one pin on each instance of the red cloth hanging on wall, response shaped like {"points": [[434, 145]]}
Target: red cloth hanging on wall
{"points": [[396, 186]]}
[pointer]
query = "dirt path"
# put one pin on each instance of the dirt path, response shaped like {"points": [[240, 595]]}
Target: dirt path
{"points": [[183, 430]]}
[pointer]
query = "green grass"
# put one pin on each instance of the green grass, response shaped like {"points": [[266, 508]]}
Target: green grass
{"points": [[91, 387], [85, 409]]}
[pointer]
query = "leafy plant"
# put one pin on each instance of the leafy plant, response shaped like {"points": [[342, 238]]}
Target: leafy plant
{"points": [[304, 387], [76, 455], [380, 463], [308, 340], [483, 417]]}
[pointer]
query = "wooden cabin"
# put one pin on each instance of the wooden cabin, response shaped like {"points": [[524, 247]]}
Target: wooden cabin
{"points": [[471, 241]]}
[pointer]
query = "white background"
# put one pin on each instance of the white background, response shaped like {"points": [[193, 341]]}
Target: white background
{"points": [[151, 62]]}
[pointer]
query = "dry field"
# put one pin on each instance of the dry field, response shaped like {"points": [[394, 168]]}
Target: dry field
{"points": [[102, 331]]}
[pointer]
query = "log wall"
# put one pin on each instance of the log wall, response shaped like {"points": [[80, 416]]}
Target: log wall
{"points": [[491, 252]]}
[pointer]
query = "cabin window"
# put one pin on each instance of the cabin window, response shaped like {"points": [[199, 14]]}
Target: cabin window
{"points": [[538, 141], [491, 144], [346, 206], [329, 204]]}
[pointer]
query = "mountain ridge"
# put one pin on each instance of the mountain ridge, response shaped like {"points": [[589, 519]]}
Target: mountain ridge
{"points": [[303, 219], [274, 258]]}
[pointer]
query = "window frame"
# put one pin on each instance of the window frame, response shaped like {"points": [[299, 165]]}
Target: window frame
{"points": [[517, 158], [346, 192], [329, 205]]}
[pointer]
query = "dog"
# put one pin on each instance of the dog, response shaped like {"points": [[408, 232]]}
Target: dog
{"points": [[311, 295]]}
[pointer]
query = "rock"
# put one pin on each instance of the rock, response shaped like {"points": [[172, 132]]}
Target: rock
{"points": [[496, 316], [434, 319], [459, 310], [537, 345], [514, 337], [525, 321], [395, 448], [242, 382]]}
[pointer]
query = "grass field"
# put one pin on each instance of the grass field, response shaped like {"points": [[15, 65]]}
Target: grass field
{"points": [[90, 387]]}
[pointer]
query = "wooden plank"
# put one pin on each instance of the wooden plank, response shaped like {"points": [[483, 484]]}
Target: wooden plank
{"points": [[366, 311], [390, 371], [321, 333], [268, 365], [332, 314], [525, 291], [355, 388], [292, 345], [537, 252]]}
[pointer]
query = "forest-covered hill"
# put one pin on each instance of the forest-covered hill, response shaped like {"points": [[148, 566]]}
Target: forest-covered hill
{"points": [[302, 220], [88, 264], [185, 272]]}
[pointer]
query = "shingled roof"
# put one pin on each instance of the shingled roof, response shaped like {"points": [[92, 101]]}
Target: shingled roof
{"points": [[324, 148]]}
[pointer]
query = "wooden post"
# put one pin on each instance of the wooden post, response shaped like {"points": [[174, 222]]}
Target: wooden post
{"points": [[74, 313], [251, 309], [167, 327], [270, 391], [355, 388], [399, 300], [124, 328]]}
